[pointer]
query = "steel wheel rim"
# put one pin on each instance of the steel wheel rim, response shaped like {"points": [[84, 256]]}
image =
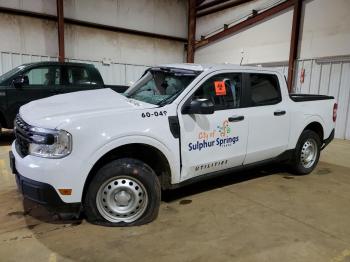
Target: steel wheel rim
{"points": [[308, 153], [122, 199]]}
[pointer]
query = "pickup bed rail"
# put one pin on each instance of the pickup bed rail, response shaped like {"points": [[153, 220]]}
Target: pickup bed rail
{"points": [[308, 97]]}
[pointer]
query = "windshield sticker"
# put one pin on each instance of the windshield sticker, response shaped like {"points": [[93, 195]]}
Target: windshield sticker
{"points": [[220, 88], [221, 137], [155, 113]]}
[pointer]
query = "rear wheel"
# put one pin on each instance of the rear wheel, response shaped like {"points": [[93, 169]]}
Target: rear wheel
{"points": [[124, 192], [306, 153]]}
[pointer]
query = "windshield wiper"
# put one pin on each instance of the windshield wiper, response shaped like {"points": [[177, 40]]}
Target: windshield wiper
{"points": [[164, 102]]}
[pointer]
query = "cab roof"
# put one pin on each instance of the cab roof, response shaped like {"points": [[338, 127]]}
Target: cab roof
{"points": [[205, 67], [45, 63]]}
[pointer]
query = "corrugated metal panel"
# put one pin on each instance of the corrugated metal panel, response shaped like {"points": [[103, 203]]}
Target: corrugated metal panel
{"points": [[115, 73], [329, 76], [112, 74], [11, 60]]}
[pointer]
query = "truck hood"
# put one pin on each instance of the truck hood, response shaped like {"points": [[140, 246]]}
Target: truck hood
{"points": [[52, 111]]}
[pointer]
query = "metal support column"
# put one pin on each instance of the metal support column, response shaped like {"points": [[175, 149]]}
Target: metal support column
{"points": [[293, 53], [191, 30], [60, 23]]}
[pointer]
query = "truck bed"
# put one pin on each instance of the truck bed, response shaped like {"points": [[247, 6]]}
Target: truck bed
{"points": [[308, 97]]}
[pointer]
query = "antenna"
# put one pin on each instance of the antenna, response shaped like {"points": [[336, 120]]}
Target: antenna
{"points": [[242, 56]]}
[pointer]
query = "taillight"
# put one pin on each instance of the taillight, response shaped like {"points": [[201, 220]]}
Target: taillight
{"points": [[335, 109]]}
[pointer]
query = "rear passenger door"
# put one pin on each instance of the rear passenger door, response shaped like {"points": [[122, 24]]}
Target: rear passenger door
{"points": [[79, 78], [268, 117]]}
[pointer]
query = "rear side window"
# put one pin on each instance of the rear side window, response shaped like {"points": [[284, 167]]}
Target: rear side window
{"points": [[265, 89], [44, 76], [80, 76], [224, 90]]}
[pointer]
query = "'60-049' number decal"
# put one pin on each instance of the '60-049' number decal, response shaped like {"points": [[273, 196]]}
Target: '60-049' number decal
{"points": [[155, 113]]}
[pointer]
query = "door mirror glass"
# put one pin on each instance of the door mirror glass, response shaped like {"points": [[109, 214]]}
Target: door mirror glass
{"points": [[20, 81], [201, 106]]}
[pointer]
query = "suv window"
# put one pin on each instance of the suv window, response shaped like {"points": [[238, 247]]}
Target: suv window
{"points": [[265, 89], [224, 90], [80, 76], [45, 76]]}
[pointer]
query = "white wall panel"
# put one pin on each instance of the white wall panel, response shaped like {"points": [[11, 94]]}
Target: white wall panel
{"points": [[27, 35], [167, 17], [94, 44], [264, 42], [325, 77], [11, 60], [325, 31], [39, 37], [40, 6]]}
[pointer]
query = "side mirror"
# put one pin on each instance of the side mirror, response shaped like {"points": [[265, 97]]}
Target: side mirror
{"points": [[20, 81], [200, 106]]}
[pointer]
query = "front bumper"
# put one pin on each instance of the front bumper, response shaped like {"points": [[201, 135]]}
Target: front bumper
{"points": [[40, 192]]}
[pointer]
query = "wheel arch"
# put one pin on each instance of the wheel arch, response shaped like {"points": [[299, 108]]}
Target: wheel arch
{"points": [[317, 128], [144, 152]]}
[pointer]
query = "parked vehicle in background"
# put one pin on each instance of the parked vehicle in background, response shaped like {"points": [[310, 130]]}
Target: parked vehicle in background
{"points": [[111, 154], [33, 81]]}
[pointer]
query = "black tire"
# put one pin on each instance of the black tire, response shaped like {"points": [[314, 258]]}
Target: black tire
{"points": [[297, 165], [144, 179]]}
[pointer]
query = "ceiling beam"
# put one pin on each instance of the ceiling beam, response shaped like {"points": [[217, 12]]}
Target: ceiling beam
{"points": [[246, 23], [222, 7]]}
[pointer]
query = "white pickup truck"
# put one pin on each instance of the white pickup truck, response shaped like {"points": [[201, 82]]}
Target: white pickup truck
{"points": [[111, 154]]}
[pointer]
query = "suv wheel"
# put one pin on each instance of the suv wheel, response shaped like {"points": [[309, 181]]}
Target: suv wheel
{"points": [[125, 192], [306, 153]]}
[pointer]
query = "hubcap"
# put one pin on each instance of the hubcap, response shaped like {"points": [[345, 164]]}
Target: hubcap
{"points": [[122, 199], [308, 153]]}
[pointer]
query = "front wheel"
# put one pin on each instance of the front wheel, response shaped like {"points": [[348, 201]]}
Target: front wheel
{"points": [[125, 192], [306, 153]]}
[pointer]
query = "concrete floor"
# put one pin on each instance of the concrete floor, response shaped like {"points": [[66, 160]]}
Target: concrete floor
{"points": [[260, 215]]}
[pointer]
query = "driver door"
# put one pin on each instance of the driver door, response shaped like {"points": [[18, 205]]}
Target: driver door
{"points": [[212, 142]]}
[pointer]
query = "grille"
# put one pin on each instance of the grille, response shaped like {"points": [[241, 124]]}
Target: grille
{"points": [[23, 134]]}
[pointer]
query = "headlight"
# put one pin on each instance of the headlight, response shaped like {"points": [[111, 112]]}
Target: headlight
{"points": [[50, 144]]}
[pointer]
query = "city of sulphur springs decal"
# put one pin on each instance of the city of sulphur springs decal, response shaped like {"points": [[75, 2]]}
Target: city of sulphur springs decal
{"points": [[220, 137]]}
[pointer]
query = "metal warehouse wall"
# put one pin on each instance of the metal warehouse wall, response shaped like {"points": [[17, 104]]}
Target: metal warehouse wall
{"points": [[325, 32], [113, 74], [20, 34], [327, 76]]}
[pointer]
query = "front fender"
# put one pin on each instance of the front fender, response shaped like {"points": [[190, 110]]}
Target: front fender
{"points": [[136, 139]]}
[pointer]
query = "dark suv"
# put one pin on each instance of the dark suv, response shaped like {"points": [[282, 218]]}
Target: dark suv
{"points": [[33, 81]]}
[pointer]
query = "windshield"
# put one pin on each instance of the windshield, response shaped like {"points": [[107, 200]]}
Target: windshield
{"points": [[11, 72], [160, 86]]}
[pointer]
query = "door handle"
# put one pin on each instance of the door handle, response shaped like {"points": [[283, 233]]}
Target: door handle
{"points": [[235, 118], [279, 113]]}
